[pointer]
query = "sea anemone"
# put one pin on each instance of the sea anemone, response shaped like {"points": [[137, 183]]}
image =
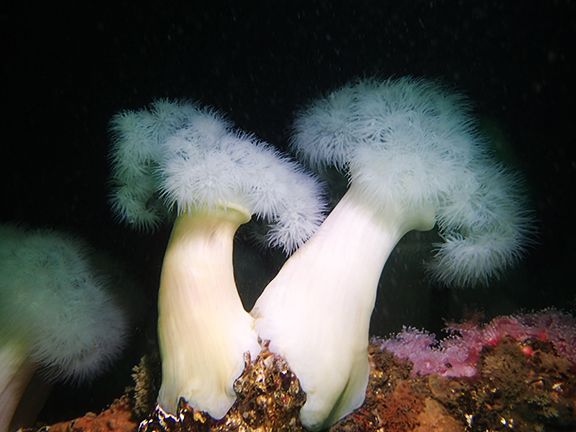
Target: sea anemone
{"points": [[178, 161], [414, 160], [56, 314]]}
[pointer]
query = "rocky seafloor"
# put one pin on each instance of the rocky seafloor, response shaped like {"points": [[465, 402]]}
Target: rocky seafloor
{"points": [[515, 373]]}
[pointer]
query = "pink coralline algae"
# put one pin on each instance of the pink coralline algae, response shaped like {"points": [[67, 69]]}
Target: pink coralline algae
{"points": [[457, 355]]}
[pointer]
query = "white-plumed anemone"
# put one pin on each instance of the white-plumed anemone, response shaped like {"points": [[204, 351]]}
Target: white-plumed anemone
{"points": [[211, 170], [178, 156], [76, 327], [404, 141], [56, 312], [135, 152], [86, 329], [485, 226], [414, 159], [412, 142], [213, 179]]}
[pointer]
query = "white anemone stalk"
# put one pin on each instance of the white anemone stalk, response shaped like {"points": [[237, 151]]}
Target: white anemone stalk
{"points": [[177, 159], [414, 160], [56, 315]]}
